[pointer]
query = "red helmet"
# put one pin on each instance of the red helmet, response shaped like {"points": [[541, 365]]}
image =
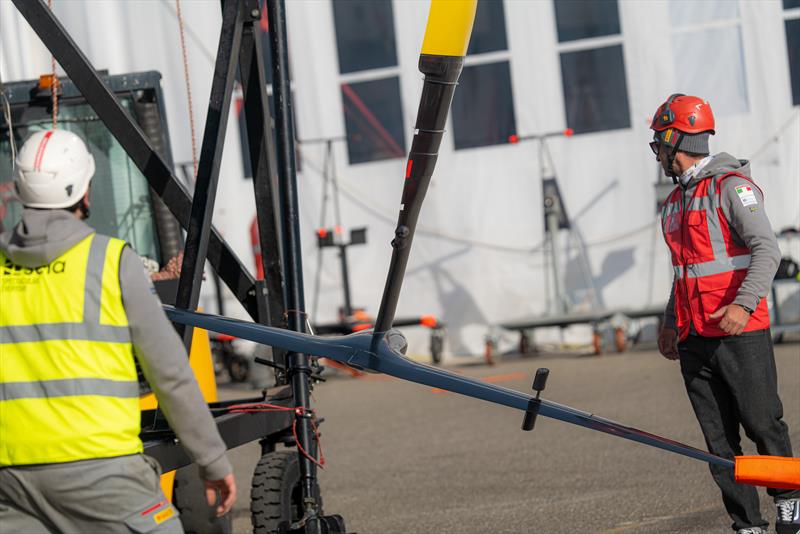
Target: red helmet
{"points": [[687, 114]]}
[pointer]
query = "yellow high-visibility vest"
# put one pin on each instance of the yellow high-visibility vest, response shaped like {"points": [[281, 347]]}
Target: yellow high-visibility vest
{"points": [[68, 386]]}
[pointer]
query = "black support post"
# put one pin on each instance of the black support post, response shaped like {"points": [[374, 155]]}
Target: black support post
{"points": [[298, 364], [348, 303], [205, 191], [261, 143]]}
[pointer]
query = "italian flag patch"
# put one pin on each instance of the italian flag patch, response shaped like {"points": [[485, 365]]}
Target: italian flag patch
{"points": [[746, 195]]}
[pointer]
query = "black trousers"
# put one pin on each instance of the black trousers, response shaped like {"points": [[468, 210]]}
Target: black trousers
{"points": [[732, 382]]}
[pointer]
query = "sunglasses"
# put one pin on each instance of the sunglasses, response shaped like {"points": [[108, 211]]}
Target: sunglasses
{"points": [[654, 146]]}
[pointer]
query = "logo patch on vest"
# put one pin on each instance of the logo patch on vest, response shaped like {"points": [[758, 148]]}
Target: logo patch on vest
{"points": [[19, 278], [746, 195], [12, 269]]}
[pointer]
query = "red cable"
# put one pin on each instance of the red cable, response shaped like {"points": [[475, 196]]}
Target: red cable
{"points": [[299, 411]]}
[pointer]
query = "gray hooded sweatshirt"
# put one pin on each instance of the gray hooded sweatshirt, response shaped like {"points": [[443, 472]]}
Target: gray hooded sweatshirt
{"points": [[43, 235], [749, 226]]}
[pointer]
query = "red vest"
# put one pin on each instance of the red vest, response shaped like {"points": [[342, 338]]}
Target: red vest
{"points": [[709, 266]]}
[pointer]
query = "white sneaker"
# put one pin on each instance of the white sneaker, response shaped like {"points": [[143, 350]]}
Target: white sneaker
{"points": [[751, 530], [788, 516]]}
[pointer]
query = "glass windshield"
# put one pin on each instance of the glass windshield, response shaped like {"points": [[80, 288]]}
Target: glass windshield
{"points": [[120, 198]]}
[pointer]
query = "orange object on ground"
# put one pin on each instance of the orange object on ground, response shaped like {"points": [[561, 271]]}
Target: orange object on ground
{"points": [[770, 471]]}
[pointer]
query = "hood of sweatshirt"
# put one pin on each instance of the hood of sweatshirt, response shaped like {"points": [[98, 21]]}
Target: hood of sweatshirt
{"points": [[42, 236], [721, 163]]}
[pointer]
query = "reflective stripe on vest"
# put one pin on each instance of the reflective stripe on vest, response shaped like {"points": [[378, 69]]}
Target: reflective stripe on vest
{"points": [[708, 266], [68, 386], [696, 270]]}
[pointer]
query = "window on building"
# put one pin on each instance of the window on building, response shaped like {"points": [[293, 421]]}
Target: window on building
{"points": [[370, 80], [364, 34], [483, 109], [489, 29], [592, 65], [710, 25], [792, 25], [373, 120], [582, 19], [483, 106], [595, 95]]}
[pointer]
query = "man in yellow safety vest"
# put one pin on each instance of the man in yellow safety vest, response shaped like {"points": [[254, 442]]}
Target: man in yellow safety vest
{"points": [[75, 308]]}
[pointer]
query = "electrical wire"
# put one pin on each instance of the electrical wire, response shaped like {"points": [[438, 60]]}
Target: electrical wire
{"points": [[299, 411]]}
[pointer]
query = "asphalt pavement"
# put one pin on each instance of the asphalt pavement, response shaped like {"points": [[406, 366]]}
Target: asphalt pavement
{"points": [[403, 458]]}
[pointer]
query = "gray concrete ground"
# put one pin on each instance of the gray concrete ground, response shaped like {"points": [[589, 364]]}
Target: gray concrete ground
{"points": [[404, 459]]}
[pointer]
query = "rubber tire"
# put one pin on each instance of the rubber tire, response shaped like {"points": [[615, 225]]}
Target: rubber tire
{"points": [[189, 497], [276, 495], [238, 368]]}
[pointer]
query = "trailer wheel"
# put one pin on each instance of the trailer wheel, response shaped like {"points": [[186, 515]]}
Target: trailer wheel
{"points": [[189, 497], [276, 496]]}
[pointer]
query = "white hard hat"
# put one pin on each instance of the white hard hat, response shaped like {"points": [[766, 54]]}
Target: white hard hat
{"points": [[53, 170]]}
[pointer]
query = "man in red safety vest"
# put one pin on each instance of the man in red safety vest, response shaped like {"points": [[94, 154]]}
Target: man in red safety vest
{"points": [[724, 257]]}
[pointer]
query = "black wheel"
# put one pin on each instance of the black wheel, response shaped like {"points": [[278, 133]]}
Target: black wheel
{"points": [[189, 497], [276, 496], [238, 367]]}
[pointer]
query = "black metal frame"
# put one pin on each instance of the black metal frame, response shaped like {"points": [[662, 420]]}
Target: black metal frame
{"points": [[268, 302]]}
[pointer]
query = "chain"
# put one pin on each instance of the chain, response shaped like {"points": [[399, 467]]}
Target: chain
{"points": [[188, 84], [54, 80]]}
